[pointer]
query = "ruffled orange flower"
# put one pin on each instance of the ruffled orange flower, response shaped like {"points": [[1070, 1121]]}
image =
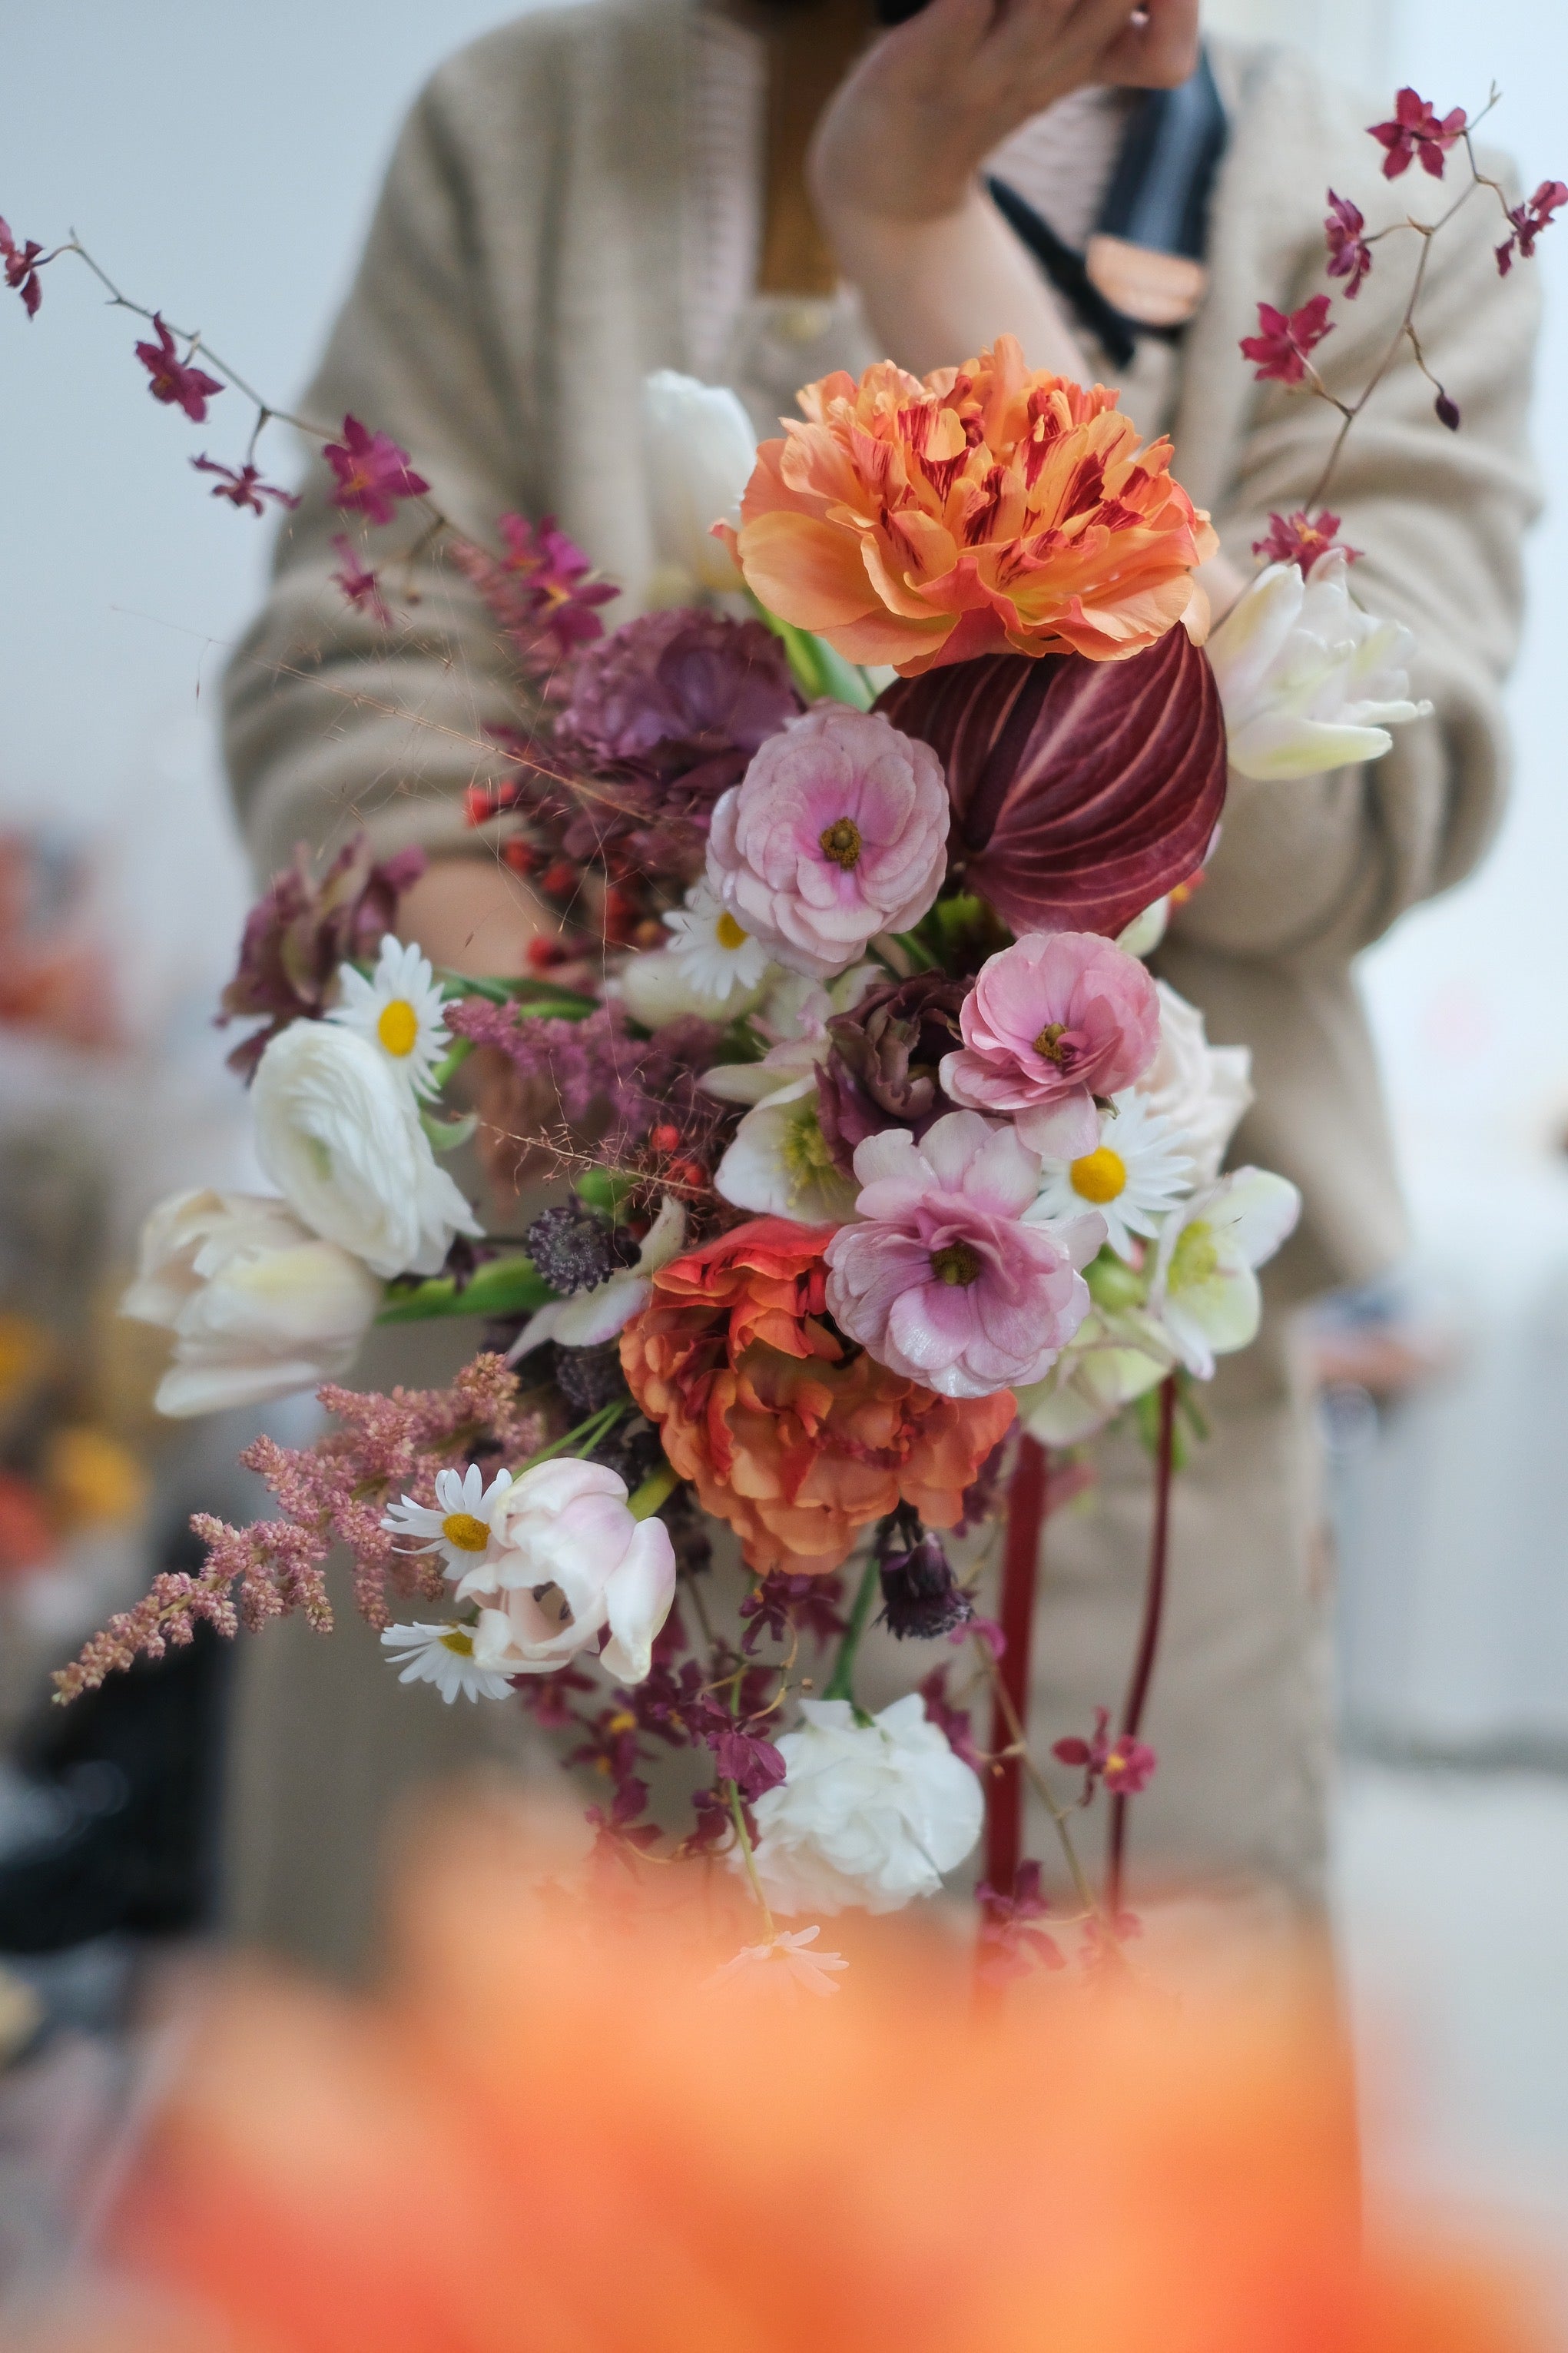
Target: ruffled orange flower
{"points": [[986, 507], [784, 1431]]}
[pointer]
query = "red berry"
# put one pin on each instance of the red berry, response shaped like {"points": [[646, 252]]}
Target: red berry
{"points": [[665, 1137]]}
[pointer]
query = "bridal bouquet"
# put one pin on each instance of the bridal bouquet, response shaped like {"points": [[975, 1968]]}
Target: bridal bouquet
{"points": [[887, 1176]]}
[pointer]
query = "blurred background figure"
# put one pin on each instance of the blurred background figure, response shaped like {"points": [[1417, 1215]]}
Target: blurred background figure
{"points": [[120, 589]]}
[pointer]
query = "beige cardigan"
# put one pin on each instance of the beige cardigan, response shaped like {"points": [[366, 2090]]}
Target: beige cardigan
{"points": [[525, 271]]}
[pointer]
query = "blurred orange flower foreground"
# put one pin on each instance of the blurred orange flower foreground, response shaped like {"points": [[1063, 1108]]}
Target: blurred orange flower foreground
{"points": [[985, 508], [540, 2139]]}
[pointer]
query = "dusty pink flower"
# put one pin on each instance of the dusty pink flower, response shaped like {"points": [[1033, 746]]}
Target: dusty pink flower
{"points": [[939, 1279], [1415, 135], [242, 486], [1279, 349], [837, 831], [1126, 1765], [373, 474], [358, 583], [1301, 538], [1051, 1022], [1528, 221], [172, 380]]}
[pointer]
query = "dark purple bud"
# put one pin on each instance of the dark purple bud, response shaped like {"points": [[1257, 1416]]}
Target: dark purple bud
{"points": [[920, 1596], [1447, 412]]}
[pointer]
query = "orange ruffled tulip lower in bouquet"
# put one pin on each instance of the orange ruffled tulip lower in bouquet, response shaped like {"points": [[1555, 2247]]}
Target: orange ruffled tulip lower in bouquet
{"points": [[982, 509], [555, 2134]]}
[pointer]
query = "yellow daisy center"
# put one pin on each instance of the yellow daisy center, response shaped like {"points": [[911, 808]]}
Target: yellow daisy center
{"points": [[458, 1640], [1100, 1175], [728, 933], [1195, 1258], [398, 1027], [468, 1534]]}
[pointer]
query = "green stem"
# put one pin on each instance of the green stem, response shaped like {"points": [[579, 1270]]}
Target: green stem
{"points": [[580, 1441], [842, 1684], [655, 1489], [451, 1062], [737, 1816]]}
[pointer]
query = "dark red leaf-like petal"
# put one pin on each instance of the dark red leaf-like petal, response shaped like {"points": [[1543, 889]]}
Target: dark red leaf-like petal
{"points": [[1081, 791]]}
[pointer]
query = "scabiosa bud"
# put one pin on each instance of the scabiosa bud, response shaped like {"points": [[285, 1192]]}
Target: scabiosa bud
{"points": [[589, 1379], [920, 1596], [574, 1251]]}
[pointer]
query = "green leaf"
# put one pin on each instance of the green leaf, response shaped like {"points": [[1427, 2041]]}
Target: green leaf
{"points": [[447, 1134], [603, 1189], [506, 1286]]}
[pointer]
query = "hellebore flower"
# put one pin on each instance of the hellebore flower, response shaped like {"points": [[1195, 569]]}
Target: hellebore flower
{"points": [[595, 1312], [443, 1655], [1115, 1355], [171, 381], [868, 1815], [699, 449], [1309, 680], [838, 832], [259, 1304], [1050, 1023], [338, 1132], [985, 508], [781, 1164], [568, 1560], [1081, 791], [1201, 1089], [938, 1279], [1204, 1291], [374, 475]]}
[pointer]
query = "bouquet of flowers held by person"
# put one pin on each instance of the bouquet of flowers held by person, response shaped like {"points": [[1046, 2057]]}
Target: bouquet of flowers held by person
{"points": [[888, 1175]]}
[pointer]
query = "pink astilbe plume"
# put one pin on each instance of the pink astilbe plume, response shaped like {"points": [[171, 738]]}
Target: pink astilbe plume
{"points": [[332, 1492], [596, 1063]]}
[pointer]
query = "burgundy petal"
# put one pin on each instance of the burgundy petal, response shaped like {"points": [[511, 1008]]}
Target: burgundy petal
{"points": [[1081, 791]]}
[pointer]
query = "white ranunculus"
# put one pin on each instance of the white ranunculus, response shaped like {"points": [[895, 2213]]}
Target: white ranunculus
{"points": [[868, 1814], [699, 449], [566, 1561], [1201, 1089], [588, 1318], [1204, 1292], [339, 1134], [259, 1307], [1308, 679]]}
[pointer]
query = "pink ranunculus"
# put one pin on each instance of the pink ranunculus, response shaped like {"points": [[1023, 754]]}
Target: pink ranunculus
{"points": [[837, 831], [940, 1281], [1051, 1022]]}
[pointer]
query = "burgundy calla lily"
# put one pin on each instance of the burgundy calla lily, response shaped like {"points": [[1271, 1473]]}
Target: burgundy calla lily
{"points": [[1081, 791]]}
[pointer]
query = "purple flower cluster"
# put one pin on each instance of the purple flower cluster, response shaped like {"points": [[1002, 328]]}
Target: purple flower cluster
{"points": [[594, 1063]]}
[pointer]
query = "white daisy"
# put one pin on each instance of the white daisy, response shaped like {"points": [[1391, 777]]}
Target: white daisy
{"points": [[443, 1655], [458, 1525], [400, 1009], [716, 958], [1131, 1177]]}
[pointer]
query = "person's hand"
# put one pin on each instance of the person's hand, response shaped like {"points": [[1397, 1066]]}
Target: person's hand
{"points": [[907, 130]]}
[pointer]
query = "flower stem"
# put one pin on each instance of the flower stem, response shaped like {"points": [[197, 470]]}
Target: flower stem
{"points": [[580, 1441], [1027, 1502], [655, 1489], [841, 1684], [1149, 1640], [1059, 1814], [737, 1815]]}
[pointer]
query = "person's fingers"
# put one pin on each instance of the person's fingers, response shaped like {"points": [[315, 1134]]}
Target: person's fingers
{"points": [[1158, 51]]}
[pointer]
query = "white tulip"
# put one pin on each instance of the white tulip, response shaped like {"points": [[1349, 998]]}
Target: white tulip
{"points": [[1201, 1089], [1204, 1292], [339, 1134], [699, 449], [259, 1307], [567, 1561], [868, 1814], [1309, 680]]}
